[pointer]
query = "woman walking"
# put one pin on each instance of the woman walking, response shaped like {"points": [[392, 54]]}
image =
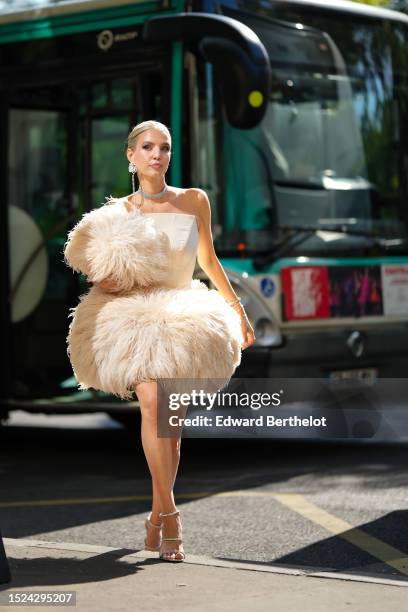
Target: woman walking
{"points": [[202, 336]]}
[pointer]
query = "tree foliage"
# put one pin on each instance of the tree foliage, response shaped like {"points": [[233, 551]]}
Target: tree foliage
{"points": [[396, 5]]}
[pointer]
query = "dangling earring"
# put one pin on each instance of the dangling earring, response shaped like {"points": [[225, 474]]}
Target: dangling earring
{"points": [[133, 169]]}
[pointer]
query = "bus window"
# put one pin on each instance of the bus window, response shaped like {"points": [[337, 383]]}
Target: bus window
{"points": [[65, 144], [331, 148]]}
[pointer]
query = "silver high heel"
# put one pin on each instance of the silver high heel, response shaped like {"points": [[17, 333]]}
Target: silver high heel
{"points": [[149, 522], [170, 552]]}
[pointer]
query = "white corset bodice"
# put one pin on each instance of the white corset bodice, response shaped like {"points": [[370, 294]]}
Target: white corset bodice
{"points": [[182, 230], [162, 324]]}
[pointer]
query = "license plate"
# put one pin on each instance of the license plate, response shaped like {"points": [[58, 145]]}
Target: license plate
{"points": [[360, 374]]}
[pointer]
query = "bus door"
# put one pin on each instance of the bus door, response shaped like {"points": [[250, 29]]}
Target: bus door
{"points": [[70, 93], [65, 153]]}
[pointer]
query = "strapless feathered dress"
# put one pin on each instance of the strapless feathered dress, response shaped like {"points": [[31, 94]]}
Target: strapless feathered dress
{"points": [[161, 323]]}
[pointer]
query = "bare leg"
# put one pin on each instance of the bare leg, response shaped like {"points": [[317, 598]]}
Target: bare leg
{"points": [[153, 535], [173, 549], [175, 449], [156, 507], [162, 456]]}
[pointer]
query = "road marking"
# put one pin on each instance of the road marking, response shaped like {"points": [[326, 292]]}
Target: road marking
{"points": [[74, 501], [376, 548], [298, 503], [119, 498], [102, 500]]}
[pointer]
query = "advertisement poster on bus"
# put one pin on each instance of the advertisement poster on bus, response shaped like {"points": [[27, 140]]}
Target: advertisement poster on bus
{"points": [[323, 292]]}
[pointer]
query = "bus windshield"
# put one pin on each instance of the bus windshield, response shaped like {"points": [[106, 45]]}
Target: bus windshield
{"points": [[331, 150]]}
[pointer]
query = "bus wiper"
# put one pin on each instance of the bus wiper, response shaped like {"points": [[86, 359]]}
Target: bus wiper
{"points": [[342, 228], [326, 183], [301, 233], [282, 247], [300, 184]]}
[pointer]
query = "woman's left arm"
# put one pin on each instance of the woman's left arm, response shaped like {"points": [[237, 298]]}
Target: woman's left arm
{"points": [[209, 262]]}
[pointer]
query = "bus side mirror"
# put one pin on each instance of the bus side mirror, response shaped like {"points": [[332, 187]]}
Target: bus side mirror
{"points": [[241, 64], [244, 89]]}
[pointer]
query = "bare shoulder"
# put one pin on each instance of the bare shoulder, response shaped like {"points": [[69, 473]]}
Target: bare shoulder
{"points": [[197, 200], [196, 194], [193, 201]]}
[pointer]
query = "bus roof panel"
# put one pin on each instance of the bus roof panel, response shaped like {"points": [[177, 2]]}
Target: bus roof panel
{"points": [[25, 10], [348, 6]]}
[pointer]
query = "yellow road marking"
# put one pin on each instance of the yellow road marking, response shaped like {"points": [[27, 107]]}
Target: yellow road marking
{"points": [[296, 502], [120, 498], [370, 544], [95, 500]]}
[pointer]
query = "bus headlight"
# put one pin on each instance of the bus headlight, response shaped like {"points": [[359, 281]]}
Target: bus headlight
{"points": [[267, 331]]}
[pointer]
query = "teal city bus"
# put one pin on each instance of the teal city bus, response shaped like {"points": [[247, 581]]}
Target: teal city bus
{"points": [[75, 77], [290, 114]]}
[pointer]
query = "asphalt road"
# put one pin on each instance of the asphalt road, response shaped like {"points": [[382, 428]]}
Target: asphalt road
{"points": [[333, 506]]}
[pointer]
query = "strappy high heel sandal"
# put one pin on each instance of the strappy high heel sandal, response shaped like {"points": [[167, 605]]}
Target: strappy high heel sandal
{"points": [[149, 522], [163, 555]]}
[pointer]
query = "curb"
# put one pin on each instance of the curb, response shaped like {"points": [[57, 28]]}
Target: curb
{"points": [[308, 572]]}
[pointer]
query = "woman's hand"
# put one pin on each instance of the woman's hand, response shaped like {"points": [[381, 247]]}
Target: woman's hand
{"points": [[246, 328], [247, 332]]}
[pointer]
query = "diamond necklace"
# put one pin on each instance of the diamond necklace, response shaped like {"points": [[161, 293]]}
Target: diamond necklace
{"points": [[151, 196]]}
